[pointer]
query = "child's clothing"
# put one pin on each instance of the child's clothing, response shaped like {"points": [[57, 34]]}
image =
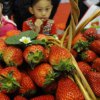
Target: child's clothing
{"points": [[48, 27], [6, 25]]}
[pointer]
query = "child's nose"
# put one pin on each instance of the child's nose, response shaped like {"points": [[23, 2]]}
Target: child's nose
{"points": [[43, 13]]}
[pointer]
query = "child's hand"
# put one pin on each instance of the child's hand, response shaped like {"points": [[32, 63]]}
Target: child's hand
{"points": [[38, 22]]}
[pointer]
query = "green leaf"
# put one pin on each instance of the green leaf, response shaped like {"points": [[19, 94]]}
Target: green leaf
{"points": [[38, 42], [64, 66], [8, 83], [50, 77], [29, 33], [14, 40], [29, 93], [81, 45]]}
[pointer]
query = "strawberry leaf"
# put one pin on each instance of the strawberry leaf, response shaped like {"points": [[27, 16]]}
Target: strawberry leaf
{"points": [[50, 77], [81, 46], [39, 42], [14, 40], [64, 66]]}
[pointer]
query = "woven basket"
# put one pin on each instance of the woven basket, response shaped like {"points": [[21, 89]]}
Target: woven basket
{"points": [[70, 32]]}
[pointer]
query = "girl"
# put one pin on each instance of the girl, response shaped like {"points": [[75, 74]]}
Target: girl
{"points": [[5, 24], [40, 22]]}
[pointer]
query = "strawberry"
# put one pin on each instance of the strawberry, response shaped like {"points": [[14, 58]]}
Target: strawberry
{"points": [[60, 58], [94, 81], [46, 52], [18, 97], [84, 67], [88, 56], [12, 33], [34, 54], [96, 23], [78, 37], [42, 74], [41, 37], [10, 79], [4, 96], [95, 46], [98, 36], [80, 43], [44, 97], [68, 90], [96, 64], [1, 67], [74, 53], [26, 84], [13, 56], [90, 33], [2, 48], [51, 88]]}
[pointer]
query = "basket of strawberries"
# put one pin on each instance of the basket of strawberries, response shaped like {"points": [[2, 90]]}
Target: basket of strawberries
{"points": [[39, 67]]}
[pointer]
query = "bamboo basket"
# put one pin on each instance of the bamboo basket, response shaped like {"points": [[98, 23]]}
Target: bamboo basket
{"points": [[71, 31]]}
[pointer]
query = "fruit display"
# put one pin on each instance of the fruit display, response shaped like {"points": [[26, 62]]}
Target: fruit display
{"points": [[39, 67]]}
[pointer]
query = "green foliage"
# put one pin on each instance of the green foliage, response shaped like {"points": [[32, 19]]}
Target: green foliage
{"points": [[41, 42], [50, 77], [64, 66], [14, 40], [8, 82], [81, 46]]}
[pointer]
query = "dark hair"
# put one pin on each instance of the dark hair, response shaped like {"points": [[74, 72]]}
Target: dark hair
{"points": [[33, 2], [1, 1]]}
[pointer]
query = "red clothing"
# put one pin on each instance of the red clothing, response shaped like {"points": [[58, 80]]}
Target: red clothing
{"points": [[48, 27]]}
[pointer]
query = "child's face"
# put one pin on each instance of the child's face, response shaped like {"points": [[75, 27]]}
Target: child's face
{"points": [[42, 9]]}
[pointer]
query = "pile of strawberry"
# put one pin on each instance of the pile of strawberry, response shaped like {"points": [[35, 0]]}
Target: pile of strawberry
{"points": [[86, 50], [36, 70]]}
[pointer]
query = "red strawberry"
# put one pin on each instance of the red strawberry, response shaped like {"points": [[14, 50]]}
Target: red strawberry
{"points": [[95, 46], [98, 36], [80, 43], [18, 97], [41, 37], [46, 52], [10, 79], [68, 90], [96, 23], [2, 48], [42, 74], [74, 53], [96, 64], [84, 67], [88, 56], [1, 67], [90, 33], [34, 54], [13, 56], [77, 38], [94, 81], [44, 97], [51, 88], [60, 58], [4, 96], [26, 84]]}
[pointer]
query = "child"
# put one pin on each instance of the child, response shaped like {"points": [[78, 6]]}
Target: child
{"points": [[40, 22], [5, 24]]}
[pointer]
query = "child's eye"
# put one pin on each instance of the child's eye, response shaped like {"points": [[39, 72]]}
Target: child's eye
{"points": [[47, 9], [39, 9]]}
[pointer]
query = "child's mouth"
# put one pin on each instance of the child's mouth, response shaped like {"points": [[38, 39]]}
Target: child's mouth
{"points": [[43, 19]]}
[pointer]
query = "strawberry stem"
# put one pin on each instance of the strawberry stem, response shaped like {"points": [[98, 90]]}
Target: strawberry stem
{"points": [[8, 83]]}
